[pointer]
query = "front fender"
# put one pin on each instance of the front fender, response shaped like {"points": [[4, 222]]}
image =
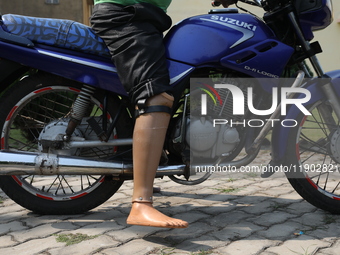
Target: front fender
{"points": [[280, 134]]}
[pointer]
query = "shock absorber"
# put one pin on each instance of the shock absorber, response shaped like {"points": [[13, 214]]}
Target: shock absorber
{"points": [[79, 110]]}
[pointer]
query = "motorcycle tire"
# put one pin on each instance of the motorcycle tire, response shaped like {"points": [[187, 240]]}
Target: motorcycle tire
{"points": [[313, 158], [32, 106]]}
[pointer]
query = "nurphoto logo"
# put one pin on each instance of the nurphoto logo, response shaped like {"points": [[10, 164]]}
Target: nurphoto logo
{"points": [[242, 103]]}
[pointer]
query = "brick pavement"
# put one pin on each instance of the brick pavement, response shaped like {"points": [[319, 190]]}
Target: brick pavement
{"points": [[228, 214]]}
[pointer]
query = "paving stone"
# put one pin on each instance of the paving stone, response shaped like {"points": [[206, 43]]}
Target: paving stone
{"points": [[86, 247], [132, 232], [181, 189], [171, 210], [247, 190], [98, 228], [41, 231], [241, 184], [176, 236], [36, 246], [332, 250], [256, 208], [96, 217], [217, 198], [166, 251], [191, 217], [11, 227], [303, 244], [225, 219], [248, 246], [236, 231], [291, 197], [196, 245], [251, 199], [281, 231], [196, 204], [46, 219], [171, 201], [12, 208], [271, 182], [8, 202], [282, 202], [7, 241], [13, 216], [316, 218], [268, 253], [205, 191], [218, 209], [323, 231], [278, 191], [269, 219], [135, 247], [301, 208], [260, 219]]}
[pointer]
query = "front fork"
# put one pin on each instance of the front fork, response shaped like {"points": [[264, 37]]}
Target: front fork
{"points": [[326, 86]]}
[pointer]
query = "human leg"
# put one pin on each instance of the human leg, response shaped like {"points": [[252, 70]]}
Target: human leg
{"points": [[134, 38], [149, 134]]}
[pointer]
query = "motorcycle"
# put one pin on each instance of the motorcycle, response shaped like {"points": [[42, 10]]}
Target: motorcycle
{"points": [[66, 121]]}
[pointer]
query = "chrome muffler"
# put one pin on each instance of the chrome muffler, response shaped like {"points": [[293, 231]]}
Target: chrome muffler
{"points": [[26, 163]]}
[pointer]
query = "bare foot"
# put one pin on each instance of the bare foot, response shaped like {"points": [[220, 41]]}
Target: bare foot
{"points": [[144, 214]]}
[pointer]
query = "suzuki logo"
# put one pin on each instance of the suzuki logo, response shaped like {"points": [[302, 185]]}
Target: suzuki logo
{"points": [[234, 22], [246, 29]]}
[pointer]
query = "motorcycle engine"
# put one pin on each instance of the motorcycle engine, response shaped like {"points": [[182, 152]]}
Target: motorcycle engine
{"points": [[201, 137], [207, 141]]}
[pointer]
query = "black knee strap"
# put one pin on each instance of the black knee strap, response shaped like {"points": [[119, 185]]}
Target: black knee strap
{"points": [[142, 108]]}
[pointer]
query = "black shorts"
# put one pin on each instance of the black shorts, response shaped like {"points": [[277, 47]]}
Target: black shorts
{"points": [[134, 36]]}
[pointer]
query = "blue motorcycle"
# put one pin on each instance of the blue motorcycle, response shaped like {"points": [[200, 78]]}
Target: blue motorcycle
{"points": [[66, 121]]}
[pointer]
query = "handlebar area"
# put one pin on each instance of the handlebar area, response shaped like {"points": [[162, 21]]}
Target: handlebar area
{"points": [[230, 2]]}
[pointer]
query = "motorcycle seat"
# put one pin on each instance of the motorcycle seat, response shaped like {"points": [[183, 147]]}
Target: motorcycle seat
{"points": [[60, 33]]}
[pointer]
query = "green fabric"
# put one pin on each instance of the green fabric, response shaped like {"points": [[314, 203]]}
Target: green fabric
{"points": [[164, 4]]}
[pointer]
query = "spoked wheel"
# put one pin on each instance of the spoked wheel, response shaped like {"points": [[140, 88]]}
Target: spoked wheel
{"points": [[313, 155], [35, 109]]}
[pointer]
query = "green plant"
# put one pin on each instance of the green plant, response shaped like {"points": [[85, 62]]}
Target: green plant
{"points": [[277, 206], [329, 219], [202, 252], [70, 239], [228, 190], [167, 251]]}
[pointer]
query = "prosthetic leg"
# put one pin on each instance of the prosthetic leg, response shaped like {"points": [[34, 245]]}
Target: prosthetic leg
{"points": [[148, 140]]}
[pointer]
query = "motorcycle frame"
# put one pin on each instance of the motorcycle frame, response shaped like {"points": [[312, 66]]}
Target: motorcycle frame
{"points": [[100, 73]]}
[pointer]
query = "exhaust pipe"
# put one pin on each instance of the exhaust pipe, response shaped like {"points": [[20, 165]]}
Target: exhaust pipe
{"points": [[25, 163]]}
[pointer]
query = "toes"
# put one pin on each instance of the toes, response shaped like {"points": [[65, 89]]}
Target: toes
{"points": [[177, 224]]}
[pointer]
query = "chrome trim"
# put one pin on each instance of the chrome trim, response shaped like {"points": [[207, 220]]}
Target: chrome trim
{"points": [[79, 61], [25, 163], [98, 143], [178, 77]]}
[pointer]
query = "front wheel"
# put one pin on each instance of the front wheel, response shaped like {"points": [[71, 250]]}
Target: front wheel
{"points": [[313, 155], [38, 107]]}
